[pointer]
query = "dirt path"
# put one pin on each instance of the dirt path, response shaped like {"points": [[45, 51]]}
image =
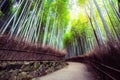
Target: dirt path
{"points": [[74, 71]]}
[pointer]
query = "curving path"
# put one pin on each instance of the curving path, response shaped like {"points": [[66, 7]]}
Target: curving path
{"points": [[74, 71]]}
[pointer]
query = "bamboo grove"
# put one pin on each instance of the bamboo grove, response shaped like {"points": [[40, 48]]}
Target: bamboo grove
{"points": [[75, 25]]}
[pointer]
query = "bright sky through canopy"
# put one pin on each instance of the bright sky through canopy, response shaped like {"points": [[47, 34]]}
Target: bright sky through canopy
{"points": [[74, 9]]}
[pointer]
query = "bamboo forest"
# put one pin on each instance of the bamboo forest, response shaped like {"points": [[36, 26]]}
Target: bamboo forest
{"points": [[59, 39]]}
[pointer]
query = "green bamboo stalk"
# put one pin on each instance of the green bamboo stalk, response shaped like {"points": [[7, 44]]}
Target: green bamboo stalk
{"points": [[114, 9], [100, 36], [115, 31], [103, 21], [119, 6], [94, 31]]}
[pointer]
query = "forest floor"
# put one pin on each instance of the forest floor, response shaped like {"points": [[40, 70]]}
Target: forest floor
{"points": [[26, 70]]}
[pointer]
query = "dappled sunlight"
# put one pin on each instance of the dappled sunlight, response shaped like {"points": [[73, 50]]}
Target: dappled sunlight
{"points": [[75, 9]]}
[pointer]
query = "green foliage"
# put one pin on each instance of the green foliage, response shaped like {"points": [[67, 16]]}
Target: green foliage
{"points": [[1, 13], [82, 2], [61, 12], [12, 9], [11, 1], [68, 39]]}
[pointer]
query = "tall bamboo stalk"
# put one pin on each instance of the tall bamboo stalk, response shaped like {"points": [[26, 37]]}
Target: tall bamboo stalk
{"points": [[119, 5], [103, 21]]}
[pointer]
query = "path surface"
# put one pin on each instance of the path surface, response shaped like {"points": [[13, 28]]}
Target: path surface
{"points": [[74, 71]]}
